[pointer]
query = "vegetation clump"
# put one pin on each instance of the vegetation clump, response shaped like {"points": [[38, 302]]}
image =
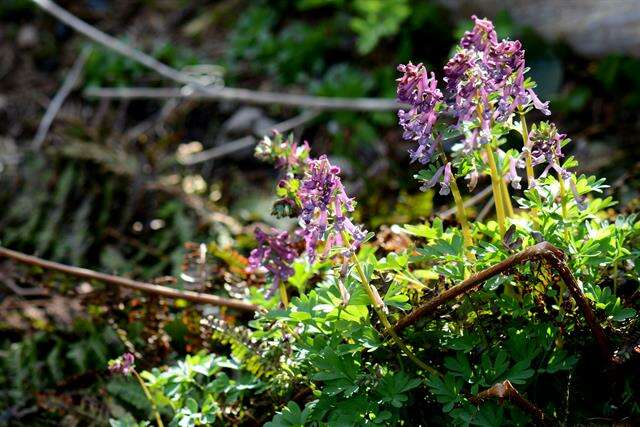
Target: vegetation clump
{"points": [[473, 323]]}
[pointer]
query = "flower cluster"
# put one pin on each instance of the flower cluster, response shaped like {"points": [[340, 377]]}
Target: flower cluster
{"points": [[285, 154], [123, 365], [545, 146], [325, 206], [275, 253], [485, 83], [418, 89], [312, 189]]}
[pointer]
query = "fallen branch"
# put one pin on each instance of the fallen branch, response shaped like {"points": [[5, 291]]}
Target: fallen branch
{"points": [[196, 89], [246, 96], [56, 103], [164, 291], [248, 141], [554, 256], [506, 391]]}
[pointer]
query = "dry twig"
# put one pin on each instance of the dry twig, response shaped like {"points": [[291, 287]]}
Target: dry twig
{"points": [[56, 103], [248, 141], [479, 196], [195, 87], [247, 96], [197, 297], [506, 391], [546, 251]]}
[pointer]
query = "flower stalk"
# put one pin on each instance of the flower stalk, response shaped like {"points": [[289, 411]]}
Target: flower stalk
{"points": [[154, 408], [527, 150], [283, 295], [506, 198], [462, 219], [497, 190], [379, 309]]}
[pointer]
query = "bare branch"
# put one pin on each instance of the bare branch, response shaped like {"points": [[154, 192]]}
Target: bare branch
{"points": [[506, 391], [485, 210], [196, 89], [554, 256], [481, 195], [247, 96], [248, 141], [115, 44], [197, 297], [56, 103]]}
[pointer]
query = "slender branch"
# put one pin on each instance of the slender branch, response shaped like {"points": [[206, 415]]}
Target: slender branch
{"points": [[56, 103], [506, 391], [485, 210], [481, 195], [554, 256], [196, 88], [115, 44], [164, 291], [247, 96], [247, 141]]}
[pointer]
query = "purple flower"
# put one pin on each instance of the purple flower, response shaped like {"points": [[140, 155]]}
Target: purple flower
{"points": [[542, 106], [275, 254], [485, 81], [325, 206], [446, 180], [472, 177], [123, 365], [481, 37], [419, 89], [456, 69], [503, 60], [512, 176], [443, 175], [545, 145]]}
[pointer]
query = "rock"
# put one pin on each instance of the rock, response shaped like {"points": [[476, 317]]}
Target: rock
{"points": [[591, 27]]}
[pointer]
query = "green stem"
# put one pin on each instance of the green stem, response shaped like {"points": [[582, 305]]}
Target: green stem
{"points": [[385, 321], [495, 186], [382, 316], [461, 214], [283, 294], [527, 149], [565, 211], [563, 200], [151, 401], [506, 198], [462, 219]]}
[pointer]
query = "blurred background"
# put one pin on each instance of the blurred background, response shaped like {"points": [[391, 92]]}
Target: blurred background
{"points": [[112, 183]]}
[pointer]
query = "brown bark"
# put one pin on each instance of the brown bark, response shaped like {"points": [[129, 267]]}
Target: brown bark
{"points": [[506, 391], [546, 251]]}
